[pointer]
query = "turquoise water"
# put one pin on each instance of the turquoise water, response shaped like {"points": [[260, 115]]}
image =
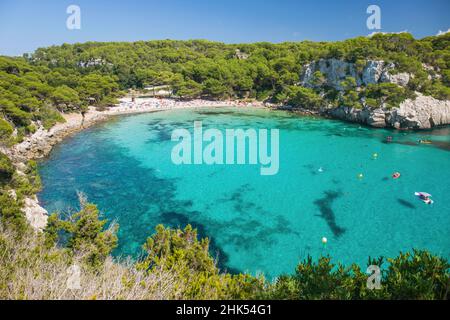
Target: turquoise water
{"points": [[262, 223]]}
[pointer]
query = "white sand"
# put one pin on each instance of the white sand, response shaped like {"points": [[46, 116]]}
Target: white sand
{"points": [[40, 143], [126, 106]]}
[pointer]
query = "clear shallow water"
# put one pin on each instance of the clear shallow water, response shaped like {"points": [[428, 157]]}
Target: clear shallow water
{"points": [[262, 223]]}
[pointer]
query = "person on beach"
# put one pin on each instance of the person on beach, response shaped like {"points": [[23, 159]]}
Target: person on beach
{"points": [[83, 115]]}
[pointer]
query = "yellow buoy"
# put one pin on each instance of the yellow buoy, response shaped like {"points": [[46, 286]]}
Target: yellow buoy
{"points": [[360, 176]]}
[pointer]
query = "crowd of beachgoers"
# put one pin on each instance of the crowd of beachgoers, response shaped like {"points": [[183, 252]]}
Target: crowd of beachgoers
{"points": [[40, 143], [127, 105]]}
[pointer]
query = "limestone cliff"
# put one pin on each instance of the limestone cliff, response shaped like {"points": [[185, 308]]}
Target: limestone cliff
{"points": [[423, 112], [335, 71]]}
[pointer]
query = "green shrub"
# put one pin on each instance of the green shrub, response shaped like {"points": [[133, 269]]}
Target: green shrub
{"points": [[49, 117], [416, 275], [181, 251], [439, 91], [6, 169], [65, 98], [106, 102], [11, 215], [305, 98], [188, 89], [5, 129], [86, 234], [388, 93], [177, 265], [372, 103], [17, 116]]}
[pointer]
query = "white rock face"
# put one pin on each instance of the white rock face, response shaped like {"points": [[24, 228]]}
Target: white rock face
{"points": [[35, 214], [40, 143], [373, 71], [335, 71], [12, 194], [424, 112], [401, 79]]}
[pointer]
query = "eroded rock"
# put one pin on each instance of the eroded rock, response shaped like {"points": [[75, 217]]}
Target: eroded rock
{"points": [[424, 112], [35, 214], [335, 71]]}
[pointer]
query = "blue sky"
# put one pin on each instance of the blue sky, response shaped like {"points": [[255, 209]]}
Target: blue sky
{"points": [[28, 24]]}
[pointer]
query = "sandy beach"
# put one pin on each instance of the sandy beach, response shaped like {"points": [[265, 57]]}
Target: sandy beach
{"points": [[127, 106], [40, 143]]}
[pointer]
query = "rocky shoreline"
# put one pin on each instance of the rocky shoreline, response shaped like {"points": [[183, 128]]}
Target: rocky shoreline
{"points": [[39, 144], [422, 113]]}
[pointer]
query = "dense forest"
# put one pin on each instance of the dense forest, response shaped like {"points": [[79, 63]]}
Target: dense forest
{"points": [[70, 77], [37, 88], [260, 70]]}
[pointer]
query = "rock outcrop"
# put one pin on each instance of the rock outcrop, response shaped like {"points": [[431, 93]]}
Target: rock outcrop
{"points": [[35, 214], [424, 112], [401, 79], [40, 143], [335, 71]]}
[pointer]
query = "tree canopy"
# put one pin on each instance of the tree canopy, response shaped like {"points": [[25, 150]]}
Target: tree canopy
{"points": [[70, 77]]}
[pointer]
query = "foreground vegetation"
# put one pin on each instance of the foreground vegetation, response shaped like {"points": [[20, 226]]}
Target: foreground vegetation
{"points": [[175, 264]]}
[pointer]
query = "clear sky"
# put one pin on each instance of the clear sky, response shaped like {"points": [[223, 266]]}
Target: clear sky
{"points": [[28, 24]]}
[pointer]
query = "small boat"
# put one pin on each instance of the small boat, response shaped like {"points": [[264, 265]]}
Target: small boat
{"points": [[425, 142], [396, 175], [424, 196]]}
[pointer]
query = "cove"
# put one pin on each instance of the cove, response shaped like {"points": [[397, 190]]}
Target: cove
{"points": [[260, 223]]}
